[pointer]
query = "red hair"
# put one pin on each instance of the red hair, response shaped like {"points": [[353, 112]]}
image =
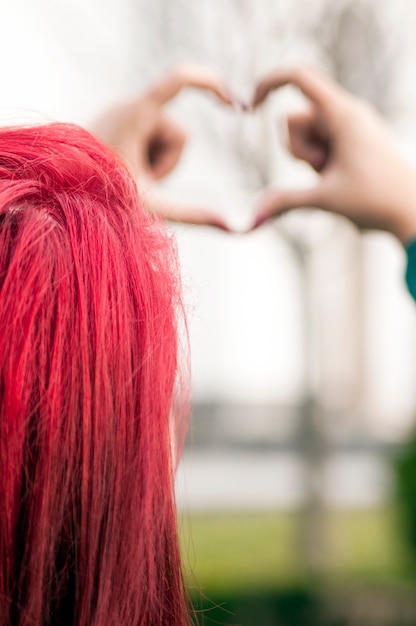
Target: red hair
{"points": [[88, 362]]}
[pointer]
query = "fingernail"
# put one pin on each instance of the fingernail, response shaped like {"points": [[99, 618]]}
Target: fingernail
{"points": [[237, 107], [229, 96], [247, 107], [241, 106], [259, 221]]}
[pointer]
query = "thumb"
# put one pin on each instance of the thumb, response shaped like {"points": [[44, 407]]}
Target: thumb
{"points": [[185, 213], [275, 202]]}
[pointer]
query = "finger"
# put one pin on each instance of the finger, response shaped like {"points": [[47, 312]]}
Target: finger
{"points": [[305, 142], [163, 159], [320, 89], [165, 148], [184, 213], [276, 202], [172, 83]]}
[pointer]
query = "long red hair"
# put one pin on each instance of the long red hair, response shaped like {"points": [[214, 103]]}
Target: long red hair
{"points": [[88, 362]]}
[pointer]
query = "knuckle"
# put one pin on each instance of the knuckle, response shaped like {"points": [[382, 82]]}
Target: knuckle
{"points": [[298, 71], [178, 73]]}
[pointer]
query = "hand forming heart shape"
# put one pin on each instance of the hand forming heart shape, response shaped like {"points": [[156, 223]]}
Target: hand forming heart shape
{"points": [[362, 175]]}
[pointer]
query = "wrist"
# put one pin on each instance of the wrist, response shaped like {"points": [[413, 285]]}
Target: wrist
{"points": [[405, 229], [403, 224]]}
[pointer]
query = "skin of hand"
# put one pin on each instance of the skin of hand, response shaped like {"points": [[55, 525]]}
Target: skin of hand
{"points": [[150, 142], [363, 177]]}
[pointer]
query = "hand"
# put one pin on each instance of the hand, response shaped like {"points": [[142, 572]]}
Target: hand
{"points": [[362, 175], [151, 142]]}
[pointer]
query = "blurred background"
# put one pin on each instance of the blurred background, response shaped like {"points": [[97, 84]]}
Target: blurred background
{"points": [[297, 489]]}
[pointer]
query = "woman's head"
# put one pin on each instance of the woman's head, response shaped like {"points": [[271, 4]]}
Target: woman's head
{"points": [[88, 360]]}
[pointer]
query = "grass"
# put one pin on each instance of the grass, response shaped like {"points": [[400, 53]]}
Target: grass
{"points": [[229, 553]]}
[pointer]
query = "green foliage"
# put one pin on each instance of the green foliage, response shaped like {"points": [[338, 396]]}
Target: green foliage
{"points": [[291, 607], [405, 472]]}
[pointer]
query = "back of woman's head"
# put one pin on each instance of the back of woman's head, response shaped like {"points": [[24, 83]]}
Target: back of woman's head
{"points": [[88, 358]]}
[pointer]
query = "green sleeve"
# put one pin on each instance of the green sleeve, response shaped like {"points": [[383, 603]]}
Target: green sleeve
{"points": [[411, 268]]}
